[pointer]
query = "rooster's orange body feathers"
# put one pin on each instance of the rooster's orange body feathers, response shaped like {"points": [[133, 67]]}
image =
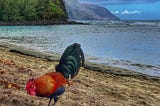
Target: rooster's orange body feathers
{"points": [[48, 83]]}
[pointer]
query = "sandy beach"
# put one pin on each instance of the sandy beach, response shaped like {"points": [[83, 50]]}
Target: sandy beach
{"points": [[95, 85]]}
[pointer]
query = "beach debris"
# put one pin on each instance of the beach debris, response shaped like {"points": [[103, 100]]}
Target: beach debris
{"points": [[21, 68], [7, 62], [13, 85], [9, 85], [24, 69]]}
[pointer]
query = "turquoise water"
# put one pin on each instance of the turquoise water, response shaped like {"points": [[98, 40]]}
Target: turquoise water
{"points": [[130, 45]]}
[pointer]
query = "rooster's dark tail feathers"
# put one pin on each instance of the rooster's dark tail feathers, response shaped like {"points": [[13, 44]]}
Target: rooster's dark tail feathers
{"points": [[71, 60]]}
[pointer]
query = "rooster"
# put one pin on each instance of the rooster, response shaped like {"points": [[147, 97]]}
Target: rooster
{"points": [[52, 85]]}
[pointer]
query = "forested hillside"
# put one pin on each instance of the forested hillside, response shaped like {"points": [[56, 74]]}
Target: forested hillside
{"points": [[31, 10]]}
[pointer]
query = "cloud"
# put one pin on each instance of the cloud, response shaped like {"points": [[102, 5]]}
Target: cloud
{"points": [[115, 2], [126, 12], [115, 12]]}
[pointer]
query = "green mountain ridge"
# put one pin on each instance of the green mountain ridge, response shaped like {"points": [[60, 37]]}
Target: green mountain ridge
{"points": [[32, 10]]}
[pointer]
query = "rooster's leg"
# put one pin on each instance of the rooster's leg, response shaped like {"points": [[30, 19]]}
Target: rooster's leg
{"points": [[56, 94], [49, 101], [55, 100]]}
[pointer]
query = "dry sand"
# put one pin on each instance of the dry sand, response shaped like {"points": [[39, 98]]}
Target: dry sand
{"points": [[90, 88]]}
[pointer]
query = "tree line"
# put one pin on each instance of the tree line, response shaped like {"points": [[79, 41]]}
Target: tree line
{"points": [[30, 10]]}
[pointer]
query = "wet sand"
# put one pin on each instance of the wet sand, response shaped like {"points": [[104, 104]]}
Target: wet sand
{"points": [[95, 85]]}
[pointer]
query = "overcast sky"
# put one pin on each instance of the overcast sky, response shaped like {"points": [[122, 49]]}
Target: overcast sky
{"points": [[131, 9]]}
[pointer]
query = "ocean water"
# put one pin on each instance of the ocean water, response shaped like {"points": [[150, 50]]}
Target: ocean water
{"points": [[133, 45]]}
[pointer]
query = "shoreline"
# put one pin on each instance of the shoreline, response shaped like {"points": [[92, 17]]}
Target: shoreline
{"points": [[54, 57], [95, 85], [36, 23]]}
